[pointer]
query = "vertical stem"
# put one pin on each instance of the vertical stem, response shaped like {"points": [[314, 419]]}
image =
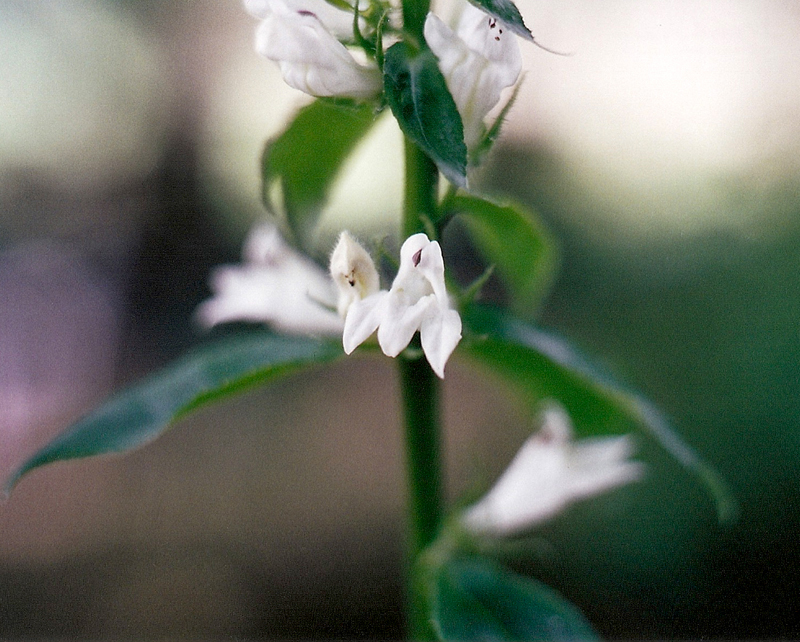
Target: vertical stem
{"points": [[420, 392], [414, 14], [421, 189]]}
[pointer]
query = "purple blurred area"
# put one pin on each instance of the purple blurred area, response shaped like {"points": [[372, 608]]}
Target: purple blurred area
{"points": [[59, 342]]}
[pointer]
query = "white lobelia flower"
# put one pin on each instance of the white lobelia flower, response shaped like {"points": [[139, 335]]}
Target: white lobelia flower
{"points": [[353, 272], [479, 57], [549, 472], [276, 285], [417, 300], [303, 37]]}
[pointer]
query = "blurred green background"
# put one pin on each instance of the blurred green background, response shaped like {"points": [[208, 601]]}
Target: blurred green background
{"points": [[662, 154]]}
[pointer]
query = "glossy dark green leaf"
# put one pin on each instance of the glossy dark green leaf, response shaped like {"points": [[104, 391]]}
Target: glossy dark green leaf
{"points": [[541, 365], [426, 112], [305, 159], [139, 414], [476, 599], [522, 251], [507, 12]]}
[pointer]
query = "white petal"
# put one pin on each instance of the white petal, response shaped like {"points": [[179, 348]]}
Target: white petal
{"points": [[312, 59], [363, 318], [440, 334], [400, 322], [549, 472], [264, 245], [266, 295], [275, 285], [339, 22], [478, 60], [430, 265]]}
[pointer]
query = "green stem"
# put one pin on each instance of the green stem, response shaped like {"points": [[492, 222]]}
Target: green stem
{"points": [[414, 14], [421, 190], [420, 390], [420, 393]]}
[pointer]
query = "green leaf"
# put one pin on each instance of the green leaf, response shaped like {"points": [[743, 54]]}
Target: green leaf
{"points": [[139, 414], [476, 599], [305, 159], [541, 366], [518, 245], [505, 11], [426, 112]]}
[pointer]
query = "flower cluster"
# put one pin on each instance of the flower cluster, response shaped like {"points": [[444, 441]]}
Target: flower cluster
{"points": [[279, 286], [416, 301], [478, 55]]}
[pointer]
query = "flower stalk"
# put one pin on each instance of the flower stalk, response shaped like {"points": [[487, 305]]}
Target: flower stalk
{"points": [[414, 14]]}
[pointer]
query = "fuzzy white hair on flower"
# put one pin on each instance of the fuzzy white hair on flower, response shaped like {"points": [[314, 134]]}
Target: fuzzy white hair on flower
{"points": [[549, 472], [479, 57], [353, 271], [275, 285], [417, 301], [304, 38]]}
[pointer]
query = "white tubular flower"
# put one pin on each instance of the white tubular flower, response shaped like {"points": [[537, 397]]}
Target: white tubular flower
{"points": [[417, 300], [549, 472], [302, 36], [479, 58], [276, 285], [353, 272]]}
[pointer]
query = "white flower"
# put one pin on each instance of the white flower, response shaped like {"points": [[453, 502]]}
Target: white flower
{"points": [[275, 285], [417, 300], [303, 37], [353, 271], [549, 472], [479, 58]]}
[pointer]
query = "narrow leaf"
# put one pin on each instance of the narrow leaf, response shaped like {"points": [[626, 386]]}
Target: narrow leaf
{"points": [[139, 414], [507, 12], [542, 365], [305, 159], [424, 108], [477, 599], [517, 244]]}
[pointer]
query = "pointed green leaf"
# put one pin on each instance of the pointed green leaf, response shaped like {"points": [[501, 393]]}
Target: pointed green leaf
{"points": [[505, 11], [139, 414], [541, 366], [305, 159], [477, 599], [426, 112], [517, 244]]}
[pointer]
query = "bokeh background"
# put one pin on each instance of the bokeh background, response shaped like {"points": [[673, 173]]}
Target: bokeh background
{"points": [[663, 154]]}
